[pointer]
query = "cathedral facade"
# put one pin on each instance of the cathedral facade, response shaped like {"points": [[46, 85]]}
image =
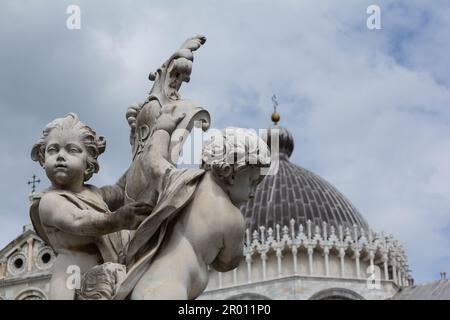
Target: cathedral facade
{"points": [[25, 267]]}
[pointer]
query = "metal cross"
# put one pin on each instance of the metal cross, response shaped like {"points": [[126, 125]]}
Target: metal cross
{"points": [[275, 102], [33, 183]]}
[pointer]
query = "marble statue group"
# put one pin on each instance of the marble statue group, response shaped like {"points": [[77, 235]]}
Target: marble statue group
{"points": [[155, 233]]}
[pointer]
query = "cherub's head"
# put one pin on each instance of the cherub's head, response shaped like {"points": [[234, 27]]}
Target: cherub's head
{"points": [[68, 151], [236, 157]]}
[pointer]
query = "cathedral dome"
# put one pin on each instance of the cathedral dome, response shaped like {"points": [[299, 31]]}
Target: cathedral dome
{"points": [[299, 194]]}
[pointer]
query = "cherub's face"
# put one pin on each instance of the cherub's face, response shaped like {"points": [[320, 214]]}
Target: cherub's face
{"points": [[245, 182], [65, 159]]}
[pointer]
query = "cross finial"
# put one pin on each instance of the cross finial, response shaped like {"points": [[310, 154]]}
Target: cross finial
{"points": [[33, 183], [275, 115], [275, 103]]}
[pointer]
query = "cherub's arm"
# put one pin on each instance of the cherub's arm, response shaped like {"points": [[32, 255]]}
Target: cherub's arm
{"points": [[230, 255], [157, 155], [55, 211], [157, 149], [114, 195]]}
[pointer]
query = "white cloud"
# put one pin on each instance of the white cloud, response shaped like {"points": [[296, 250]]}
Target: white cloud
{"points": [[369, 109]]}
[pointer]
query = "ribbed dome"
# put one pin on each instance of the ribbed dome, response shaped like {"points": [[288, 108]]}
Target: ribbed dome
{"points": [[286, 141], [296, 193]]}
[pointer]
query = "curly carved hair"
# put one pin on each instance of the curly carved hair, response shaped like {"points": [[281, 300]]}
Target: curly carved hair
{"points": [[95, 145], [234, 148]]}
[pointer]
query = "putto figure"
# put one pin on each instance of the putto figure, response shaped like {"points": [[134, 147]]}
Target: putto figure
{"points": [[196, 221], [184, 219], [71, 215]]}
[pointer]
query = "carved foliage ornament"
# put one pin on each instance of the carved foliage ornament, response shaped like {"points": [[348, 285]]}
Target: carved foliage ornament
{"points": [[164, 94]]}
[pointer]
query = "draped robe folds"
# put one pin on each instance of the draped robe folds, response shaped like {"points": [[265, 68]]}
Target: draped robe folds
{"points": [[178, 189], [111, 246]]}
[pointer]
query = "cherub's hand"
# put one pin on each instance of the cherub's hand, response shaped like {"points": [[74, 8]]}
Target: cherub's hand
{"points": [[131, 215], [167, 121]]}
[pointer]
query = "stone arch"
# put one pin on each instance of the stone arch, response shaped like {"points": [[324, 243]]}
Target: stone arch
{"points": [[248, 296], [31, 294], [336, 294]]}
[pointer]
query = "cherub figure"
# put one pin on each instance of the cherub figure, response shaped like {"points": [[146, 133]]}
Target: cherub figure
{"points": [[71, 215], [196, 222]]}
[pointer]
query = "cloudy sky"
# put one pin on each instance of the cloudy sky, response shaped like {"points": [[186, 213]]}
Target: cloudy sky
{"points": [[369, 109]]}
